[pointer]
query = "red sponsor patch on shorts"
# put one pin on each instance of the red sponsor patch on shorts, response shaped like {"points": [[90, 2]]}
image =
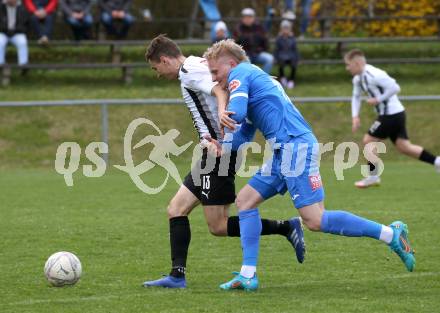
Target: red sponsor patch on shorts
{"points": [[315, 182], [234, 84]]}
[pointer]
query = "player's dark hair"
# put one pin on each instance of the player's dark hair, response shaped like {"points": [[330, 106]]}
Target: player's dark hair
{"points": [[354, 53], [162, 46]]}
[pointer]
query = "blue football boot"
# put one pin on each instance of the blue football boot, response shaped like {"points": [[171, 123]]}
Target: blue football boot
{"points": [[401, 246], [167, 282], [241, 283]]}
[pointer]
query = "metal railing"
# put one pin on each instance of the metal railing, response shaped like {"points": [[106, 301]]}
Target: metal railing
{"points": [[104, 103]]}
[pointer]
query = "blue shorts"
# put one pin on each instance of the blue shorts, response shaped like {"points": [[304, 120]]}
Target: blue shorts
{"points": [[294, 167]]}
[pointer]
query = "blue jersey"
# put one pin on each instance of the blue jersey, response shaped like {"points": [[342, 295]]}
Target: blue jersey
{"points": [[261, 100]]}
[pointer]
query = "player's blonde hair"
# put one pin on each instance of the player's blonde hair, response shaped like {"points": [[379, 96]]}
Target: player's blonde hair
{"points": [[355, 53], [226, 47]]}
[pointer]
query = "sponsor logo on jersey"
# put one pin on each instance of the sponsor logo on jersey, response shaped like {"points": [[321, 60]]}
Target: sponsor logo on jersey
{"points": [[233, 85], [315, 182]]}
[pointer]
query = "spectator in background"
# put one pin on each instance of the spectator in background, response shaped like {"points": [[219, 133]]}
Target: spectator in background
{"points": [[220, 32], [42, 17], [252, 37], [77, 15], [113, 11], [289, 14], [14, 20], [305, 16], [286, 53]]}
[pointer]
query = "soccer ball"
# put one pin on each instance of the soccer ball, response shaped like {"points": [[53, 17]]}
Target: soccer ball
{"points": [[62, 268]]}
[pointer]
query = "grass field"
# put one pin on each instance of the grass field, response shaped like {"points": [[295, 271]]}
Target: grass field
{"points": [[121, 237], [121, 234]]}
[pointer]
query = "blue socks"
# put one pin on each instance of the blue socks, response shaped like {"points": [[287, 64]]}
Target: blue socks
{"points": [[250, 230], [334, 222], [350, 225]]}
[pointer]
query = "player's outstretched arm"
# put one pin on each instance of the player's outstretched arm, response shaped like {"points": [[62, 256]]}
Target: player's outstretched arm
{"points": [[222, 96], [356, 105]]}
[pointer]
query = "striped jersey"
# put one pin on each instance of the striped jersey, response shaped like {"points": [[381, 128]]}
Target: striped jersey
{"points": [[196, 83], [376, 83]]}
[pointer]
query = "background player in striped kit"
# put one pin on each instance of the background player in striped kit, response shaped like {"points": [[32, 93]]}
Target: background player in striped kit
{"points": [[382, 91], [201, 95]]}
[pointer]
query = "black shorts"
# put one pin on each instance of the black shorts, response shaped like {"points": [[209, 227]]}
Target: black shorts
{"points": [[216, 187], [392, 126]]}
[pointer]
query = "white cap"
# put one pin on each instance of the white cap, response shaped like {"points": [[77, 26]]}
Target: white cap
{"points": [[289, 15], [286, 24], [248, 12], [220, 26]]}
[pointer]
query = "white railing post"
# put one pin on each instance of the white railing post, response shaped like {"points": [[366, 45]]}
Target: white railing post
{"points": [[104, 129]]}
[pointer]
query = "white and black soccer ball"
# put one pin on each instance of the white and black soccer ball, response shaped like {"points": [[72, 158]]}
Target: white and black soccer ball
{"points": [[62, 268]]}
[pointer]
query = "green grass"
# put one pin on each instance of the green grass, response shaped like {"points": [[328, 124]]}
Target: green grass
{"points": [[29, 137], [121, 234], [121, 237], [329, 80]]}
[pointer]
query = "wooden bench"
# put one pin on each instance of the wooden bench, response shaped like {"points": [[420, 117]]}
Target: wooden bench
{"points": [[116, 45], [127, 69]]}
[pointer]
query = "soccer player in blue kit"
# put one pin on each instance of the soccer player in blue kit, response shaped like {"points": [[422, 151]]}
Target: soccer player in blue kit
{"points": [[258, 101]]}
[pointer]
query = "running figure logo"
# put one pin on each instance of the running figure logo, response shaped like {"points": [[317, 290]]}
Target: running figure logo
{"points": [[164, 145]]}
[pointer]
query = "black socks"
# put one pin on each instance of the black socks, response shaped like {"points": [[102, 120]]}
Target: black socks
{"points": [[269, 227], [427, 157], [373, 171], [180, 237]]}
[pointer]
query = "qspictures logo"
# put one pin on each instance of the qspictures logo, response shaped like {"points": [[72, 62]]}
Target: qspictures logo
{"points": [[296, 158]]}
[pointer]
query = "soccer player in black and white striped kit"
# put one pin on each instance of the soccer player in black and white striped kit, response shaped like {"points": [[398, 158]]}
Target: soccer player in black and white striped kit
{"points": [[381, 90], [216, 192]]}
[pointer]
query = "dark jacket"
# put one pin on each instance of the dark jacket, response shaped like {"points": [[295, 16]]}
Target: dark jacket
{"points": [[286, 50], [253, 39], [21, 20], [71, 6], [111, 5]]}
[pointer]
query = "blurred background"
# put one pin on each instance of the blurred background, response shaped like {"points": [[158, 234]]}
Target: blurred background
{"points": [[94, 61]]}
